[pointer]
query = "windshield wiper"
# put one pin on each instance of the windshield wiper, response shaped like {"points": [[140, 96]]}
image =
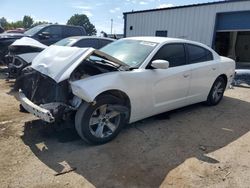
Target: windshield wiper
{"points": [[104, 61], [132, 68], [109, 63]]}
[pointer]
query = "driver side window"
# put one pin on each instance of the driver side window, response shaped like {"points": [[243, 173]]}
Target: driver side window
{"points": [[54, 31], [173, 53]]}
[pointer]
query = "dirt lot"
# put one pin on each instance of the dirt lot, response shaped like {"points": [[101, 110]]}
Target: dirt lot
{"points": [[196, 146]]}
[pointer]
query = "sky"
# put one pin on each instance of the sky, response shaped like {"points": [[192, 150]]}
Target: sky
{"points": [[100, 12]]}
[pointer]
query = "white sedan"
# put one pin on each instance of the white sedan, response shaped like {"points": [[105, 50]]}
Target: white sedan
{"points": [[126, 81]]}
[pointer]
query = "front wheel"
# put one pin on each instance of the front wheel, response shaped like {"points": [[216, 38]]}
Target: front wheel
{"points": [[100, 122], [217, 91]]}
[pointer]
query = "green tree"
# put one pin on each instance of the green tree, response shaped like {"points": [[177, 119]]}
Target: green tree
{"points": [[17, 24], [3, 22], [82, 20], [14, 25], [27, 21], [40, 23]]}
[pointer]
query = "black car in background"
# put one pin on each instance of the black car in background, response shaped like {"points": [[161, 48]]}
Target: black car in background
{"points": [[46, 34], [17, 54], [85, 41]]}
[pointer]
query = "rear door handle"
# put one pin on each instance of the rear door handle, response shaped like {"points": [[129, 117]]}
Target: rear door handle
{"points": [[214, 68], [186, 75]]}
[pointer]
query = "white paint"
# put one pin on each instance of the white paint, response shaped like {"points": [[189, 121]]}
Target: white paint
{"points": [[28, 57], [27, 41], [155, 91], [58, 62], [150, 91]]}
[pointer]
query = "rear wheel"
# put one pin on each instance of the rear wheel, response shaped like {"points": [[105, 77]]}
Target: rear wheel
{"points": [[100, 122], [217, 91]]}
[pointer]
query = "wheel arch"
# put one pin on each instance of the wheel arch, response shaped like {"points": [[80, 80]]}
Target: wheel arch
{"points": [[119, 94], [224, 76]]}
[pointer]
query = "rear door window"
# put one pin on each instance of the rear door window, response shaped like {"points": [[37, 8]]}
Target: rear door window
{"points": [[54, 31], [198, 54], [71, 31], [173, 53], [103, 42], [85, 43]]}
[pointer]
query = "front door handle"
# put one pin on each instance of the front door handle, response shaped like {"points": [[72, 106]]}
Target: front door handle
{"points": [[186, 75]]}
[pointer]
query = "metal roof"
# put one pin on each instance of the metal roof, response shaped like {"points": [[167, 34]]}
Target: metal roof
{"points": [[184, 6]]}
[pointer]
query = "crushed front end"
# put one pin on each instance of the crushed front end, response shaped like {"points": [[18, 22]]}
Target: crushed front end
{"points": [[43, 97], [20, 55], [45, 87]]}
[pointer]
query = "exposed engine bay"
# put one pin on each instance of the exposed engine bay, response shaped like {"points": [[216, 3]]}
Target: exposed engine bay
{"points": [[58, 97], [90, 68]]}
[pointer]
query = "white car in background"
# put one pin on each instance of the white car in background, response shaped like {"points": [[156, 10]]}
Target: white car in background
{"points": [[24, 50], [126, 81]]}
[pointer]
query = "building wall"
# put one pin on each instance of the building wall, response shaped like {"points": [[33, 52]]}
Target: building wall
{"points": [[194, 23]]}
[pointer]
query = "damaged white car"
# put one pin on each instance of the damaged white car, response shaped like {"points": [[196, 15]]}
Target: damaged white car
{"points": [[124, 82]]}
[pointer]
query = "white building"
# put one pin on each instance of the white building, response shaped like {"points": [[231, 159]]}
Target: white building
{"points": [[223, 25]]}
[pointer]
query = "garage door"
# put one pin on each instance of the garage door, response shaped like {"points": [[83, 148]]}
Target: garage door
{"points": [[233, 21]]}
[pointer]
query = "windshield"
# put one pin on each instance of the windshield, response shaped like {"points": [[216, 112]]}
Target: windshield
{"points": [[34, 30], [130, 52], [66, 42]]}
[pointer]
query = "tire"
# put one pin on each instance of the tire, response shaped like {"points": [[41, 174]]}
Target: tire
{"points": [[217, 91], [100, 121]]}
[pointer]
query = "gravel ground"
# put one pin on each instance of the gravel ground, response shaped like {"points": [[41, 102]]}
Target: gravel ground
{"points": [[196, 146]]}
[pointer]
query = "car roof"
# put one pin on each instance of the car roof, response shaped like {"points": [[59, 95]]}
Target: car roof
{"points": [[89, 37], [69, 26], [167, 40], [161, 39]]}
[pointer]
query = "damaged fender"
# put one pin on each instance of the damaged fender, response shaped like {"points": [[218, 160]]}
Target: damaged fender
{"points": [[88, 89]]}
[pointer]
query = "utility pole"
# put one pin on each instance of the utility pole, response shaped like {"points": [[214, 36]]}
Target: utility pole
{"points": [[111, 26]]}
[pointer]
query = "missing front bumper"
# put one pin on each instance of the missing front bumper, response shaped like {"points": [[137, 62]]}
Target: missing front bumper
{"points": [[36, 110]]}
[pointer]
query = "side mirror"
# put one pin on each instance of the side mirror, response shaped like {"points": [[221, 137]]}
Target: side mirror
{"points": [[44, 35], [160, 64]]}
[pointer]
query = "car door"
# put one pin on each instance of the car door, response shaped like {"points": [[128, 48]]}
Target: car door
{"points": [[204, 72], [170, 86]]}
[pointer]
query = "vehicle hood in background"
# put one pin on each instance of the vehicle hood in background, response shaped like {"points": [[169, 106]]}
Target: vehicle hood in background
{"points": [[11, 36], [26, 41], [58, 62]]}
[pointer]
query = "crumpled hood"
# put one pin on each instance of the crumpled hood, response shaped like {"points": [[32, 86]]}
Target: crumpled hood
{"points": [[58, 62], [27, 41]]}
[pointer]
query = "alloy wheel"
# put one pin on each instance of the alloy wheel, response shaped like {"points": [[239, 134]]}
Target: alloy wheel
{"points": [[104, 121], [218, 91]]}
